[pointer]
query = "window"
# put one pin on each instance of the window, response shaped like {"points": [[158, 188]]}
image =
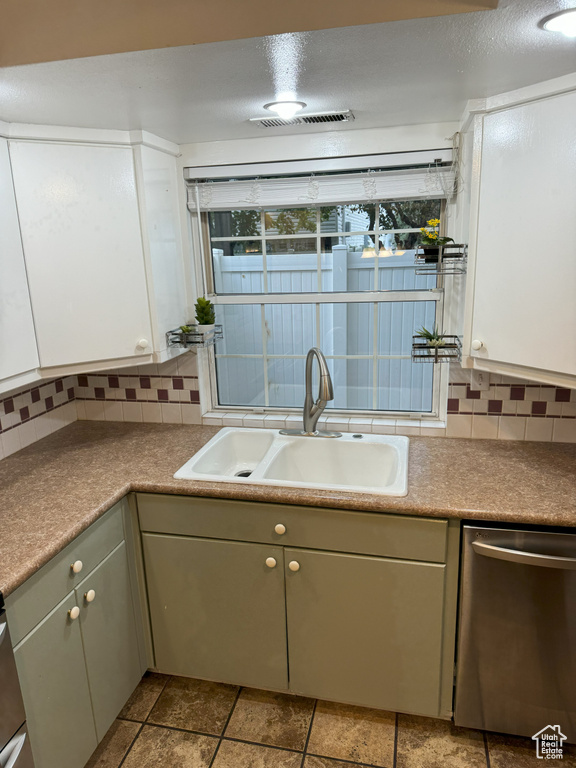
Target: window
{"points": [[341, 277]]}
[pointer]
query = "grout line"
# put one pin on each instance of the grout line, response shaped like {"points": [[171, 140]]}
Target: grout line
{"points": [[157, 697], [395, 741], [232, 708], [309, 733], [131, 745], [486, 750], [344, 761]]}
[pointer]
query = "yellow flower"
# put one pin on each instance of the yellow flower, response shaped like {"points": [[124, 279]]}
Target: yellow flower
{"points": [[432, 235], [434, 222]]}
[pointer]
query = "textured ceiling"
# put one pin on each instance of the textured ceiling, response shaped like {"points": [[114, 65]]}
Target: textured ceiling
{"points": [[396, 73]]}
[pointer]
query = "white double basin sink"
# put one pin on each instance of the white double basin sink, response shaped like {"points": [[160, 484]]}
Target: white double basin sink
{"points": [[375, 464]]}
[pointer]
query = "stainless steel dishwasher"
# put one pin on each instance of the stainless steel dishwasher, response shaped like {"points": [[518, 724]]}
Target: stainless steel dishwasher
{"points": [[516, 668]]}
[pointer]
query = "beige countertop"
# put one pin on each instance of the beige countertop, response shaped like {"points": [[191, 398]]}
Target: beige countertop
{"points": [[54, 489]]}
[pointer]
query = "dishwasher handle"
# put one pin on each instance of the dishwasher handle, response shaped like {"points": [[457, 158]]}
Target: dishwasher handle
{"points": [[524, 558]]}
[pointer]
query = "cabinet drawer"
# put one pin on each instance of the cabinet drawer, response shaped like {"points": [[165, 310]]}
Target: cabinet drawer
{"points": [[31, 602], [369, 533]]}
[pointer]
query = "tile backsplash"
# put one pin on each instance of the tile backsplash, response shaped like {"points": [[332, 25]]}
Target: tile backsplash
{"points": [[166, 393], [510, 409], [30, 414]]}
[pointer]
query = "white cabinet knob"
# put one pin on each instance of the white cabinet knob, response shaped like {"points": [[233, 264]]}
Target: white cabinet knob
{"points": [[89, 596], [77, 566], [477, 344], [294, 565], [280, 529], [271, 562], [74, 613], [142, 344]]}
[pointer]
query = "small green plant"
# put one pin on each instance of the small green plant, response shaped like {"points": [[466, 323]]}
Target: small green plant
{"points": [[204, 312], [429, 235], [186, 328], [433, 338]]}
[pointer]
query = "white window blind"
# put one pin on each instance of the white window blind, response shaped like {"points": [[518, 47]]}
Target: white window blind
{"points": [[299, 191]]}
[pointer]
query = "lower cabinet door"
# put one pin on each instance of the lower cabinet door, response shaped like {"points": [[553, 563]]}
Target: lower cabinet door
{"points": [[55, 690], [365, 630], [217, 609], [109, 635]]}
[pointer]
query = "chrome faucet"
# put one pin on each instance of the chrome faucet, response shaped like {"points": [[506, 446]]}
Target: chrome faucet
{"points": [[313, 408]]}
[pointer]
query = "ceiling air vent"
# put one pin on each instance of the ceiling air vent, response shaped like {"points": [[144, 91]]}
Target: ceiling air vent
{"points": [[309, 119]]}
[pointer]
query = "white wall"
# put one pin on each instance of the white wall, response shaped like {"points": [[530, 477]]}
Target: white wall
{"points": [[268, 148]]}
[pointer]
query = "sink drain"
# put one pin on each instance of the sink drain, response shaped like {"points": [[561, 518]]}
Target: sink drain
{"points": [[244, 473]]}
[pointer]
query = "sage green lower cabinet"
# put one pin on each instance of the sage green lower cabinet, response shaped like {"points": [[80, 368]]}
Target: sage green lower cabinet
{"points": [[366, 601], [365, 630], [55, 690], [109, 636], [217, 609], [77, 646]]}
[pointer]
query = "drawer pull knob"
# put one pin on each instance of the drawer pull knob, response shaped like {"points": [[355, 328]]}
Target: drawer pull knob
{"points": [[477, 344], [89, 596], [271, 562], [77, 566], [73, 613], [280, 529], [294, 565], [142, 343]]}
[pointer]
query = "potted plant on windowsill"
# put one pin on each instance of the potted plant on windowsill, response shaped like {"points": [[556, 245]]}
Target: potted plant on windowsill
{"points": [[431, 242], [205, 316]]}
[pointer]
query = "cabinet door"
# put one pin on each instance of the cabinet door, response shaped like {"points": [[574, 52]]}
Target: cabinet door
{"points": [[18, 352], [365, 630], [524, 311], [217, 609], [109, 636], [83, 247], [55, 690]]}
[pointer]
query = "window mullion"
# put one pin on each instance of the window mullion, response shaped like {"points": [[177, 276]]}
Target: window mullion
{"points": [[264, 254], [265, 354]]}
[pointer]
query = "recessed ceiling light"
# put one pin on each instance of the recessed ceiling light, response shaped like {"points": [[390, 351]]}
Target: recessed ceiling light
{"points": [[563, 21], [285, 109]]}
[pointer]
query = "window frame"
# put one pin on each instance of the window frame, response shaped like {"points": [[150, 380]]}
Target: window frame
{"points": [[205, 276]]}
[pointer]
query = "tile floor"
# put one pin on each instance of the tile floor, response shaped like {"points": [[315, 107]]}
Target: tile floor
{"points": [[176, 722]]}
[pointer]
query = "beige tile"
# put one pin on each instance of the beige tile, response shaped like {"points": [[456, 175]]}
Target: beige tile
{"points": [[564, 431], [512, 428], [131, 411], [539, 429], [156, 747], [353, 733], [94, 410], [113, 411], [111, 750], [235, 754], [191, 413], [271, 718], [171, 413], [311, 761], [196, 705], [518, 752], [427, 743], [144, 697], [485, 427], [151, 413], [458, 425]]}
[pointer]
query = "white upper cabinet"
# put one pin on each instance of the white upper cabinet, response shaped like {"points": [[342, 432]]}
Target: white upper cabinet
{"points": [[18, 352], [521, 298], [80, 222], [158, 180]]}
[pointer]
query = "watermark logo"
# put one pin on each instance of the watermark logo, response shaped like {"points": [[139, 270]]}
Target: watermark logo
{"points": [[549, 743]]}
